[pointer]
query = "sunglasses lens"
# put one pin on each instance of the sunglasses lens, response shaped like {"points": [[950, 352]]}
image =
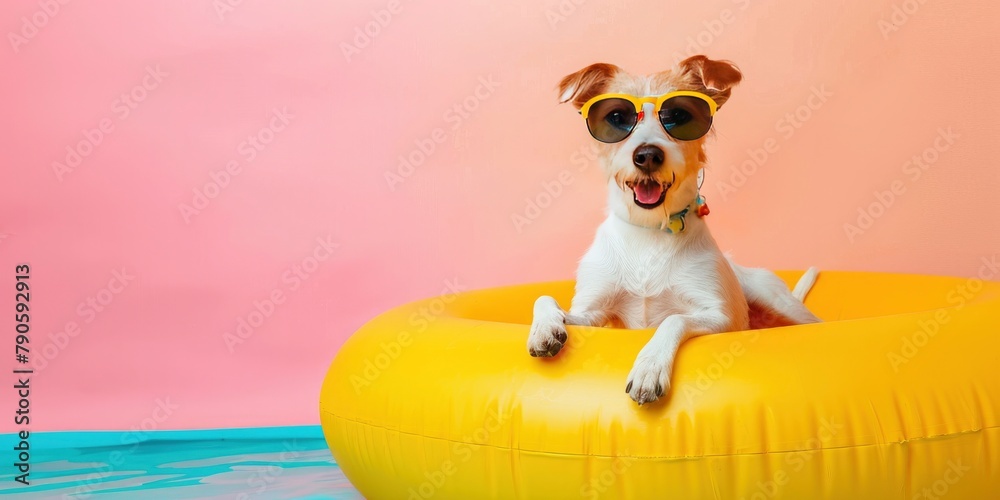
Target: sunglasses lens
{"points": [[686, 118], [611, 120]]}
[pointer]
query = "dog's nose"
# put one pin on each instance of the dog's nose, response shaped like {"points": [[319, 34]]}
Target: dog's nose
{"points": [[648, 158]]}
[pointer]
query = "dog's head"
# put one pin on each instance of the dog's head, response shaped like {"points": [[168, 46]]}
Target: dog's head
{"points": [[651, 173]]}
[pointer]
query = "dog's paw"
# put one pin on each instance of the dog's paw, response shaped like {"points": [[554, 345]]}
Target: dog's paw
{"points": [[546, 338], [648, 381]]}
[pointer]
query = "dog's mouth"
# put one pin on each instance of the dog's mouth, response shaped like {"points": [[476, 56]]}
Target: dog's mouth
{"points": [[648, 193]]}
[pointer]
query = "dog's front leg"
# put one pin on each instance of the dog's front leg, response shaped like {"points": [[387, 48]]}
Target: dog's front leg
{"points": [[548, 326], [650, 376]]}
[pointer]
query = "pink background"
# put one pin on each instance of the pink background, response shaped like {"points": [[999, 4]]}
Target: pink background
{"points": [[161, 342]]}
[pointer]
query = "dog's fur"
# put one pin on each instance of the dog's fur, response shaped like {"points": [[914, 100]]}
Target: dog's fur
{"points": [[636, 275]]}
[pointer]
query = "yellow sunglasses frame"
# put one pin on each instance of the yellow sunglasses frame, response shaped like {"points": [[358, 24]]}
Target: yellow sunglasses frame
{"points": [[656, 100]]}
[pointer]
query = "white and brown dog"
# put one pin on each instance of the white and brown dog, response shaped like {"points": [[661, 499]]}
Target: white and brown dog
{"points": [[653, 262]]}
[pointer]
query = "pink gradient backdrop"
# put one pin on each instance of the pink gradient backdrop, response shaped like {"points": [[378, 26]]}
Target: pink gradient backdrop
{"points": [[162, 337]]}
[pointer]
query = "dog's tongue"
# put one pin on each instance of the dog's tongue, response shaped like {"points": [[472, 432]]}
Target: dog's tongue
{"points": [[648, 192]]}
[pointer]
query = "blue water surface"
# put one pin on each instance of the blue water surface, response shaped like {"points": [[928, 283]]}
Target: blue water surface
{"points": [[258, 463]]}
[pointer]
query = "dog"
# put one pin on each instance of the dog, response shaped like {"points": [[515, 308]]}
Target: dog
{"points": [[653, 262]]}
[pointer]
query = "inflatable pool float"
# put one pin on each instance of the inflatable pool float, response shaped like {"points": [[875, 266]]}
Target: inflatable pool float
{"points": [[894, 396]]}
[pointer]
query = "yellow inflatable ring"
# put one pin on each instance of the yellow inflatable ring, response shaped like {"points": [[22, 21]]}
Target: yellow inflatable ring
{"points": [[895, 396]]}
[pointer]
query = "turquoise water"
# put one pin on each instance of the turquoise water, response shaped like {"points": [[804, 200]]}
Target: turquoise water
{"points": [[261, 463]]}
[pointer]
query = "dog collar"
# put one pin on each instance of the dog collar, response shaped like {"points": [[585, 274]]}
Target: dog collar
{"points": [[676, 223]]}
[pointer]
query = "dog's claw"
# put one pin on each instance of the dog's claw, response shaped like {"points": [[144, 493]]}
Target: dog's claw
{"points": [[560, 335], [551, 349], [648, 380], [545, 342]]}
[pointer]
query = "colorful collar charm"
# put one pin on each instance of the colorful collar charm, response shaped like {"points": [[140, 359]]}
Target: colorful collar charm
{"points": [[676, 223]]}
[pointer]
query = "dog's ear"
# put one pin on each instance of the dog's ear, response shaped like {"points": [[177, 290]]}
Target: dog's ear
{"points": [[714, 78], [593, 80]]}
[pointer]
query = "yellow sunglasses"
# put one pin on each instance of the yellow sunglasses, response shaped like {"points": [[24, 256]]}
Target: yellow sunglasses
{"points": [[685, 115]]}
